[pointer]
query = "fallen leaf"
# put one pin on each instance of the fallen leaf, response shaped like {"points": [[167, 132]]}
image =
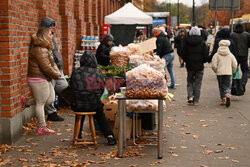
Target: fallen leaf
{"points": [[235, 161], [23, 160], [63, 140], [203, 166], [69, 130], [243, 124], [29, 139], [231, 148], [202, 120], [224, 158], [207, 152], [34, 144], [203, 146], [218, 151], [59, 134], [154, 163], [187, 133], [166, 125], [213, 120], [172, 148], [220, 144], [42, 153], [184, 147], [175, 155], [229, 117], [204, 125], [196, 136]]}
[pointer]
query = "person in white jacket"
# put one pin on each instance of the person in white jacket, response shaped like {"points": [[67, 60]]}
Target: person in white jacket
{"points": [[224, 65]]}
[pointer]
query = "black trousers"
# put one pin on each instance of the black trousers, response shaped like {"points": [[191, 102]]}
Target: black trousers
{"points": [[243, 62], [101, 120]]}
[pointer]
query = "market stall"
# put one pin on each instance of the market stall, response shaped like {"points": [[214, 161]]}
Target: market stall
{"points": [[144, 92], [124, 21]]}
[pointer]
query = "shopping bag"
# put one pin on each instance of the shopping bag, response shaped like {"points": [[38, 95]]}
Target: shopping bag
{"points": [[237, 88]]}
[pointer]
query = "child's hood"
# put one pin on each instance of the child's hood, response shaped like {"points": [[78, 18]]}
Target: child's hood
{"points": [[224, 48], [88, 59]]}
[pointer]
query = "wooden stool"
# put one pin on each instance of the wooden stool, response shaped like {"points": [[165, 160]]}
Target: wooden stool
{"points": [[76, 140]]}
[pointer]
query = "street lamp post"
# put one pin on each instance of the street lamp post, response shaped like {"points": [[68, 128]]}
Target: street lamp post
{"points": [[193, 13], [178, 15], [232, 8]]}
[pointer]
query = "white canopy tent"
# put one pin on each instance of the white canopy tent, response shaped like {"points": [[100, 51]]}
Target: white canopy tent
{"points": [[124, 21], [128, 15]]}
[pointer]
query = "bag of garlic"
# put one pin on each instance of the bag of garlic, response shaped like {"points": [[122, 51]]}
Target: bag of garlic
{"points": [[153, 61], [141, 105], [135, 49], [145, 82], [119, 56]]}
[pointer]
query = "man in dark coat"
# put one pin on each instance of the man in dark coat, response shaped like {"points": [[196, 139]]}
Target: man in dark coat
{"points": [[87, 86], [242, 42], [165, 51], [179, 45], [223, 34], [195, 55], [103, 51], [61, 83]]}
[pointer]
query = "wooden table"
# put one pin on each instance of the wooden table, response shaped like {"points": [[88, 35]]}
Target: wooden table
{"points": [[122, 142]]}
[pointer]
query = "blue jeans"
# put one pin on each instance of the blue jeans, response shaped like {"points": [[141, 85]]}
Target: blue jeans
{"points": [[169, 58]]}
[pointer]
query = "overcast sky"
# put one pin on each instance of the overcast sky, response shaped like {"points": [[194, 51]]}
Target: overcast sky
{"points": [[187, 2]]}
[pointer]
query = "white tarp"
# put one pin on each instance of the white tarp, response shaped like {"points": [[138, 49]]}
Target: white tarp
{"points": [[128, 15]]}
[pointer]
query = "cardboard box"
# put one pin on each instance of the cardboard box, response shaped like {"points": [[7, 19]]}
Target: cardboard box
{"points": [[148, 45], [129, 127], [110, 111]]}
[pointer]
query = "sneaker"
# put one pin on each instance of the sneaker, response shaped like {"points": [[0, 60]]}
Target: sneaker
{"points": [[223, 101], [45, 131], [196, 103], [111, 140], [190, 100], [54, 117], [24, 102], [171, 86], [228, 98]]}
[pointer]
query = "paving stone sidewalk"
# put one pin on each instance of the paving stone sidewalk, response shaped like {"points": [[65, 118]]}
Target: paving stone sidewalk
{"points": [[194, 136]]}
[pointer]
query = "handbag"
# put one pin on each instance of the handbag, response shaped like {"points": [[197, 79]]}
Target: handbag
{"points": [[237, 88]]}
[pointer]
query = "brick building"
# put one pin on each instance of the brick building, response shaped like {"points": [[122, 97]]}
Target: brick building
{"points": [[19, 19]]}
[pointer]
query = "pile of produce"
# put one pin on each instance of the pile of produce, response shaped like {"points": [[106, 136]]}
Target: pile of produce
{"points": [[145, 82], [142, 105], [135, 49], [119, 56], [153, 61], [110, 71]]}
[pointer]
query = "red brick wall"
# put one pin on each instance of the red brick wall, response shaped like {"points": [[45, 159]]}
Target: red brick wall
{"points": [[19, 19]]}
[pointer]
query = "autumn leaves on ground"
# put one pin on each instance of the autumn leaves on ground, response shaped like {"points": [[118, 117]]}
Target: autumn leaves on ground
{"points": [[208, 135]]}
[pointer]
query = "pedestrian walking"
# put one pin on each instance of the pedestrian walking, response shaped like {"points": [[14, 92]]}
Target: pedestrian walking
{"points": [[59, 84], [87, 86], [224, 65], [242, 42], [194, 55], [223, 34], [165, 51], [103, 51], [41, 70], [179, 45]]}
